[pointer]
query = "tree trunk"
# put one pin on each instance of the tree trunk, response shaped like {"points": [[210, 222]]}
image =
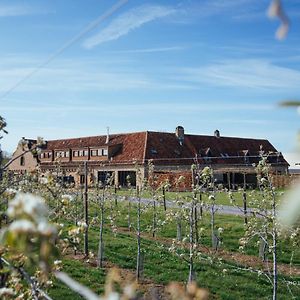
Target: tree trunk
{"points": [[154, 219], [164, 198], [196, 223], [262, 249], [201, 205], [274, 265], [86, 215], [116, 196], [191, 258], [129, 215], [138, 261], [245, 201], [212, 223], [179, 229], [101, 244], [274, 235]]}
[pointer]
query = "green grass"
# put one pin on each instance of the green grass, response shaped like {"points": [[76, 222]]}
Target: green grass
{"points": [[234, 229], [91, 277], [222, 197], [161, 266]]}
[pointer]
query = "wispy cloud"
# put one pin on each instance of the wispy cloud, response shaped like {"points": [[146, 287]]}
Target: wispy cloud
{"points": [[241, 10], [241, 73], [146, 108], [152, 50], [128, 22], [17, 10]]}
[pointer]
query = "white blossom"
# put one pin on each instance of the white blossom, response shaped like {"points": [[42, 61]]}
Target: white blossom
{"points": [[22, 226], [28, 204], [220, 230], [46, 229], [6, 292]]}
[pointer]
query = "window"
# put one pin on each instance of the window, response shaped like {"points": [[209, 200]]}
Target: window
{"points": [[67, 154], [42, 155], [81, 153], [75, 153], [82, 179], [94, 152], [22, 161], [85, 152], [105, 152]]}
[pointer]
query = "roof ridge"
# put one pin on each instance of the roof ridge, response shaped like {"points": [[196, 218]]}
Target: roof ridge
{"points": [[96, 136], [227, 137]]}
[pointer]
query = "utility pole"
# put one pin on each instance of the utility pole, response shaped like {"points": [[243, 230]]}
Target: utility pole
{"points": [[86, 211]]}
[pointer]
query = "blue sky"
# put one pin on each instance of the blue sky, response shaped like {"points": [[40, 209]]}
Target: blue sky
{"points": [[151, 65]]}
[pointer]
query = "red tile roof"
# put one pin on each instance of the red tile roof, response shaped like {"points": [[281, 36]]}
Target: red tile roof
{"points": [[164, 148], [133, 144]]}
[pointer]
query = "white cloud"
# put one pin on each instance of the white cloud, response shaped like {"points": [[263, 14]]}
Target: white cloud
{"points": [[127, 22], [209, 8], [17, 10], [252, 73]]}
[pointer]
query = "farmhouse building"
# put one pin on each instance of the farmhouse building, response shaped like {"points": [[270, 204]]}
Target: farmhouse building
{"points": [[121, 155]]}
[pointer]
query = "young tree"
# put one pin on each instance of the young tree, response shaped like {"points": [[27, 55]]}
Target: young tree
{"points": [[263, 223]]}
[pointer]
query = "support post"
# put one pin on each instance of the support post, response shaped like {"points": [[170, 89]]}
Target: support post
{"points": [[245, 201], [228, 180], [86, 209], [164, 198]]}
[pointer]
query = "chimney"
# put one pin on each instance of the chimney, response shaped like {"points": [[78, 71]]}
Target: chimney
{"points": [[107, 135], [217, 133], [179, 132]]}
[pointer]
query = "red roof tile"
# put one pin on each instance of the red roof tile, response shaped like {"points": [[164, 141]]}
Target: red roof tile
{"points": [[164, 148]]}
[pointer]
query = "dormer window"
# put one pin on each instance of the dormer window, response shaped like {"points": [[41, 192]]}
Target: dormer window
{"points": [[206, 154], [153, 151], [246, 156]]}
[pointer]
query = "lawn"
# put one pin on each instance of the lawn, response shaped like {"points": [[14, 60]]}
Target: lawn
{"points": [[222, 198], [222, 279]]}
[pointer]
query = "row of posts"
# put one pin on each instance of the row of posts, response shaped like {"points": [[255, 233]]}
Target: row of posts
{"points": [[85, 194]]}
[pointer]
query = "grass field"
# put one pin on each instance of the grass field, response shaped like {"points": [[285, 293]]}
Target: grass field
{"points": [[222, 198], [161, 266]]}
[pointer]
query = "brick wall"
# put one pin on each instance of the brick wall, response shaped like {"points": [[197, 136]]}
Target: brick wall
{"points": [[161, 178], [285, 181]]}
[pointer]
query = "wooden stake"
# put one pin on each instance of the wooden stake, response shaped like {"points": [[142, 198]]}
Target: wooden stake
{"points": [[86, 209]]}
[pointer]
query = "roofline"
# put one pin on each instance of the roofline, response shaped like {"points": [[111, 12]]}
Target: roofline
{"points": [[157, 132]]}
